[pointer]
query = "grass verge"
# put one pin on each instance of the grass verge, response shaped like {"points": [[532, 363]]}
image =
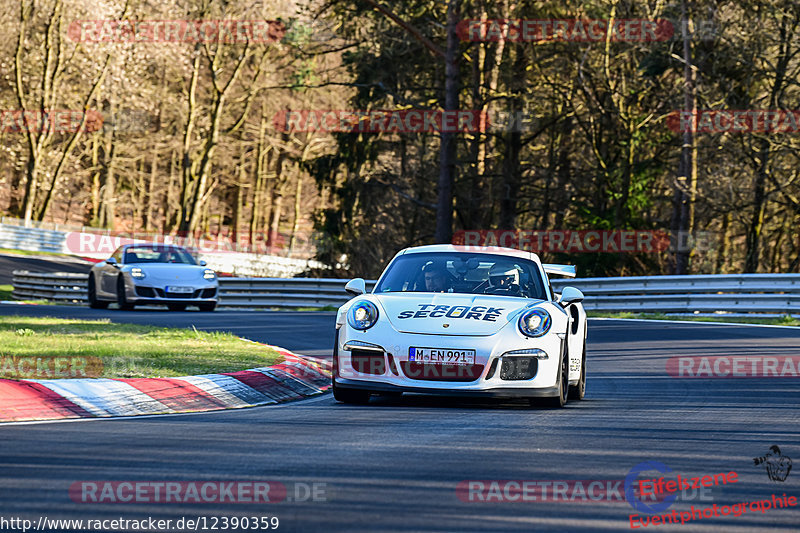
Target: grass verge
{"points": [[5, 292], [785, 320], [49, 348], [11, 251]]}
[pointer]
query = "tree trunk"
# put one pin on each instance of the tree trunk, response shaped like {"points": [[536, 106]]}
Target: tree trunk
{"points": [[276, 203], [275, 218], [169, 214], [263, 156], [187, 167], [686, 184], [512, 174], [108, 211], [148, 212], [447, 156], [724, 246], [94, 219], [756, 224], [296, 224]]}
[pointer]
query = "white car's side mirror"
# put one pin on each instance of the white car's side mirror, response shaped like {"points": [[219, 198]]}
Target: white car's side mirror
{"points": [[570, 295], [356, 286]]}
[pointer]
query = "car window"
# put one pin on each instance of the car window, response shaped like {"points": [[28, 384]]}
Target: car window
{"points": [[465, 273], [158, 254], [117, 255]]}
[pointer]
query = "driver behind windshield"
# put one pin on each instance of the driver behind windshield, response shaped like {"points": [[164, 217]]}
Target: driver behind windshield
{"points": [[436, 278]]}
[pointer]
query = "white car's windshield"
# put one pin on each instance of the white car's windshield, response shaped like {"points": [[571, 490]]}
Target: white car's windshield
{"points": [[466, 273], [158, 254]]}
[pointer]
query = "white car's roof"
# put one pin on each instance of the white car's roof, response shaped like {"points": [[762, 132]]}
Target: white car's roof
{"points": [[512, 252]]}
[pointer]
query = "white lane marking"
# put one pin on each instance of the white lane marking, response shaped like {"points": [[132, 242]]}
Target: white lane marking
{"points": [[326, 396], [696, 322]]}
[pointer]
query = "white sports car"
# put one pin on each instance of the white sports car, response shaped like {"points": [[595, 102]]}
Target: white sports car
{"points": [[460, 320], [152, 274]]}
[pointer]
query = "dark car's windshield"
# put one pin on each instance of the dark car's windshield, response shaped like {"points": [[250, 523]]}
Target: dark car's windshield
{"points": [[468, 273], [158, 254]]}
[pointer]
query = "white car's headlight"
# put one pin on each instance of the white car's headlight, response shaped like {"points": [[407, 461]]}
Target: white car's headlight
{"points": [[138, 273], [534, 323], [209, 274], [362, 315]]}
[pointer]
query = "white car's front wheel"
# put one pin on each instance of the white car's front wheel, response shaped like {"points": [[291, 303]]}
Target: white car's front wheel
{"points": [[577, 392], [353, 396], [563, 386]]}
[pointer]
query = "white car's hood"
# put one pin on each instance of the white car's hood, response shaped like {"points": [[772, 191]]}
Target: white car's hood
{"points": [[463, 314], [171, 271]]}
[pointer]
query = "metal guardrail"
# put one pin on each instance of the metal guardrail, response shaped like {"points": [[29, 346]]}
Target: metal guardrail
{"points": [[290, 292], [739, 293], [735, 293], [64, 287], [61, 287], [31, 239]]}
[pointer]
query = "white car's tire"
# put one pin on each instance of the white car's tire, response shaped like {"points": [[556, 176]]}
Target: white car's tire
{"points": [[577, 392], [353, 396], [563, 386]]}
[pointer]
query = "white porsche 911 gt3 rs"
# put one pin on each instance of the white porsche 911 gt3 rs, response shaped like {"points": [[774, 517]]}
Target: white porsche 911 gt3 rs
{"points": [[457, 320]]}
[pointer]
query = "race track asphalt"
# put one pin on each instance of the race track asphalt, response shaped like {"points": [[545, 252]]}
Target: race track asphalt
{"points": [[394, 465], [45, 263]]}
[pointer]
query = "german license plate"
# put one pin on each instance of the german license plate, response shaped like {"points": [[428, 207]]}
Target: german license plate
{"points": [[181, 290], [441, 355]]}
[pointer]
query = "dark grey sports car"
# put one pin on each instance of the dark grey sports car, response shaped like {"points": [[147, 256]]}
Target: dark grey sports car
{"points": [[138, 274]]}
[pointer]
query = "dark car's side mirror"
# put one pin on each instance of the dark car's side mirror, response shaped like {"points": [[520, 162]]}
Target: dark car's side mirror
{"points": [[570, 295], [111, 261], [356, 286]]}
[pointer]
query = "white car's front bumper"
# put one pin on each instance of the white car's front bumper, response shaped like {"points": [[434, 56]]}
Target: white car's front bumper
{"points": [[385, 366], [149, 292]]}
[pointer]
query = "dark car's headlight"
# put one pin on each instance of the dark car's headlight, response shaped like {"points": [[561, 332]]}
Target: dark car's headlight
{"points": [[209, 274], [362, 315], [534, 323], [138, 273]]}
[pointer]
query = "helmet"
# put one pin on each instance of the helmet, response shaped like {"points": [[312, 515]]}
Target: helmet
{"points": [[503, 275]]}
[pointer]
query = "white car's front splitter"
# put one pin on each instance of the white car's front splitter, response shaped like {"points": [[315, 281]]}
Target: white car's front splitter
{"points": [[364, 362]]}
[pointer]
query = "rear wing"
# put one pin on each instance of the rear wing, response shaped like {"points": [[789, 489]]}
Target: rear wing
{"points": [[560, 270]]}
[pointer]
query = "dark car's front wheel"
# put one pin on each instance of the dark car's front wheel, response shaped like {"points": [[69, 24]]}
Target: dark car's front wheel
{"points": [[94, 303], [122, 298]]}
